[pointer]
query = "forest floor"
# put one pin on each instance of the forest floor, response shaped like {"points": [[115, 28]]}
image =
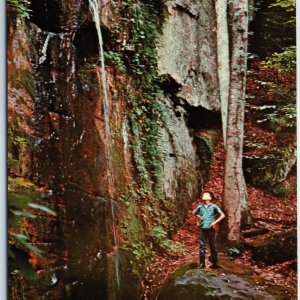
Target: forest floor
{"points": [[267, 210]]}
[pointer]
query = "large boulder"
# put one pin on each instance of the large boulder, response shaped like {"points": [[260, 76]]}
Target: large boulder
{"points": [[190, 283], [271, 169], [284, 242]]}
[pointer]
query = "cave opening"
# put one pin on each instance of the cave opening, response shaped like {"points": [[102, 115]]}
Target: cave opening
{"points": [[46, 14], [202, 118], [86, 41], [206, 129]]}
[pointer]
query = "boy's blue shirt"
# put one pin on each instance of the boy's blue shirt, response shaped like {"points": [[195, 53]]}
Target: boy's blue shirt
{"points": [[207, 214]]}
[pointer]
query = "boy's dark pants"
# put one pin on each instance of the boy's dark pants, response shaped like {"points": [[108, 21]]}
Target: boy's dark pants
{"points": [[208, 234]]}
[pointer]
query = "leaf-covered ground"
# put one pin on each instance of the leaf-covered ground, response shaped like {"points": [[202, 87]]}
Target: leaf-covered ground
{"points": [[267, 210]]}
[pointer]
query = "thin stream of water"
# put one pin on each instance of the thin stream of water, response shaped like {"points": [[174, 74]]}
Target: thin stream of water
{"points": [[44, 49], [94, 8]]}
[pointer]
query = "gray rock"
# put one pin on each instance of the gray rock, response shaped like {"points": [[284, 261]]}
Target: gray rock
{"points": [[187, 51], [188, 282], [271, 169], [181, 163], [284, 242]]}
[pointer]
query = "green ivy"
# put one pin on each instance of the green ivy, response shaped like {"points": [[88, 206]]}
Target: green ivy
{"points": [[19, 145], [136, 31], [18, 10], [145, 225], [115, 58]]}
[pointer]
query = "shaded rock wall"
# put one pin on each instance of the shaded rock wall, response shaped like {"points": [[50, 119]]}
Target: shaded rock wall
{"points": [[101, 229], [20, 104], [181, 164]]}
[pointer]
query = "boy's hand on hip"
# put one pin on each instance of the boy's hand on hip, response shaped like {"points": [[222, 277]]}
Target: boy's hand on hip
{"points": [[214, 226]]}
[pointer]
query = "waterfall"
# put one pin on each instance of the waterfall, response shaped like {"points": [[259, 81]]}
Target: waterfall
{"points": [[44, 49], [94, 8]]}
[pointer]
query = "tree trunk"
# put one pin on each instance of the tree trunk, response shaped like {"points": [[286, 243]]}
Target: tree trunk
{"points": [[235, 194], [223, 59]]}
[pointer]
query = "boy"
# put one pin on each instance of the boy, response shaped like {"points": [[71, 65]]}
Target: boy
{"points": [[207, 228]]}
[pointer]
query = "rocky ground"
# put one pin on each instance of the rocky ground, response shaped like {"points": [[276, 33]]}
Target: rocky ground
{"points": [[277, 214]]}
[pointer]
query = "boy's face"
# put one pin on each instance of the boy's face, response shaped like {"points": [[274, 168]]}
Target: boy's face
{"points": [[206, 197]]}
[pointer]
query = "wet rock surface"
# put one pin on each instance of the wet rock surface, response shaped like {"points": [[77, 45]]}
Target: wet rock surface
{"points": [[190, 282], [56, 108], [21, 103]]}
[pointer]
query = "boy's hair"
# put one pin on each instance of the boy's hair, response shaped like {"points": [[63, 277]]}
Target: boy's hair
{"points": [[210, 193]]}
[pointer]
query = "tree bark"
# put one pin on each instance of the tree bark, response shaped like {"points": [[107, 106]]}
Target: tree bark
{"points": [[223, 59], [235, 194]]}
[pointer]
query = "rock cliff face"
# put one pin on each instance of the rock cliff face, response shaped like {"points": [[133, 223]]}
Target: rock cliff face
{"points": [[120, 178], [187, 51]]}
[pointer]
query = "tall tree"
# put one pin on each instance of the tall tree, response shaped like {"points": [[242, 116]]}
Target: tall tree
{"points": [[223, 60], [235, 194]]}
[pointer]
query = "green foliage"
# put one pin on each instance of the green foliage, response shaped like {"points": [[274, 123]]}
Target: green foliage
{"points": [[159, 234], [20, 143], [284, 61], [132, 226], [278, 91], [146, 225], [145, 228], [288, 5], [18, 10], [254, 145], [234, 252], [274, 26], [115, 58], [263, 107], [160, 238], [21, 206], [24, 80], [278, 84], [19, 183], [136, 31], [276, 155], [282, 118], [19, 146], [142, 254], [22, 240]]}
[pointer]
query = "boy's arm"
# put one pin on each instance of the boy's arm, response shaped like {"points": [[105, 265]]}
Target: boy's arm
{"points": [[222, 216], [196, 210], [218, 220]]}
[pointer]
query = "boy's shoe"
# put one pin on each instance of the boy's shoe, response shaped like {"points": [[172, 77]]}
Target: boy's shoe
{"points": [[202, 263], [215, 266]]}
